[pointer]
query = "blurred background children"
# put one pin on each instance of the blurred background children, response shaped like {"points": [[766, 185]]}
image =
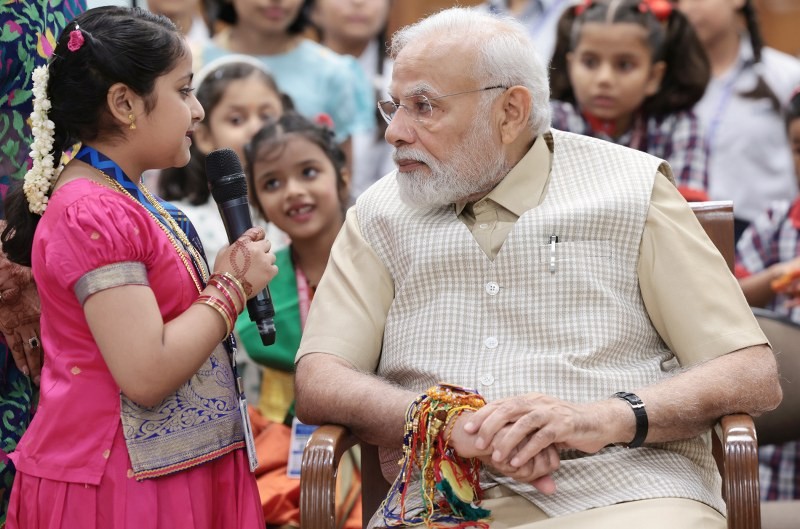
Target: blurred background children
{"points": [[742, 109], [191, 17], [768, 269], [630, 71], [317, 79], [239, 97], [539, 16], [298, 181], [768, 252], [358, 28]]}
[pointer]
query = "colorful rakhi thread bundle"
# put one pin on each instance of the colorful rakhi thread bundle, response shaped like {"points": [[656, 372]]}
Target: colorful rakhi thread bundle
{"points": [[448, 485]]}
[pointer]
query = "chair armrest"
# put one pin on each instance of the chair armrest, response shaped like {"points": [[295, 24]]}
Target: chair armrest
{"points": [[740, 471], [318, 475]]}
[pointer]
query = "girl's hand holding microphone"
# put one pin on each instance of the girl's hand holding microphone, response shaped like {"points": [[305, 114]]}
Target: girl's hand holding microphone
{"points": [[249, 260], [241, 271]]}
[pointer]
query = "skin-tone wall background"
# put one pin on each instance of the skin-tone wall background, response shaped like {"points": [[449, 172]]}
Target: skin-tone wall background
{"points": [[779, 18]]}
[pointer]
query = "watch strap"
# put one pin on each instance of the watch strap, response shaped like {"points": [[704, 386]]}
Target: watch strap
{"points": [[641, 417]]}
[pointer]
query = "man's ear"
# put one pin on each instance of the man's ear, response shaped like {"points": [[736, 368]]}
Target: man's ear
{"points": [[202, 138], [124, 105], [514, 113]]}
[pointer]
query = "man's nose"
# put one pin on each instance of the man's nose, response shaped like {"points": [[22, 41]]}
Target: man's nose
{"points": [[401, 129]]}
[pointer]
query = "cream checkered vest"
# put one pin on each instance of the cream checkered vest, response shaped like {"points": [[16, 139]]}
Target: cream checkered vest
{"points": [[513, 325]]}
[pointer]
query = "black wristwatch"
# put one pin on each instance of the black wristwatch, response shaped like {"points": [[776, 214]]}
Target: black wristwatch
{"points": [[641, 417]]}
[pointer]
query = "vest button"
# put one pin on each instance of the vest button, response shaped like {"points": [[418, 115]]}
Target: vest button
{"points": [[491, 342], [492, 288], [483, 225]]}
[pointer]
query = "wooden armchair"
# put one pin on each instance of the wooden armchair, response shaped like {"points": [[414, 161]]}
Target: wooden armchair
{"points": [[735, 442]]}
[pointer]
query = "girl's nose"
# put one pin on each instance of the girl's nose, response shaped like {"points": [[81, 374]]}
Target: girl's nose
{"points": [[198, 113], [294, 187], [605, 73]]}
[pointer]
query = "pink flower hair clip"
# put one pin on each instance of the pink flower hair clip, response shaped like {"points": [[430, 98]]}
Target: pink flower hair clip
{"points": [[75, 39]]}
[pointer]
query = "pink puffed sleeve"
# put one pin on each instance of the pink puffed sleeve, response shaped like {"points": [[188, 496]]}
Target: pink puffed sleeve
{"points": [[102, 235]]}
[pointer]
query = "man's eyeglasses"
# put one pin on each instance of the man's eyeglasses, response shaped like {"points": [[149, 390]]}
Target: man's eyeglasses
{"points": [[419, 107]]}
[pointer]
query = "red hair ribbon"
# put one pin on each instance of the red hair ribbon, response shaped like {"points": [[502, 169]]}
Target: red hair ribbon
{"points": [[661, 9], [324, 120], [580, 8]]}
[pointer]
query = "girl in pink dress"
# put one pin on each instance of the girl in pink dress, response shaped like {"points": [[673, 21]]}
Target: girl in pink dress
{"points": [[139, 422]]}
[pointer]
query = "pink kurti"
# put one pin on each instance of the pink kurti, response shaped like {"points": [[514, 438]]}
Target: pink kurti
{"points": [[73, 465]]}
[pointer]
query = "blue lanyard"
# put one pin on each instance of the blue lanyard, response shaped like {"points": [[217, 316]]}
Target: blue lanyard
{"points": [[98, 160], [724, 100]]}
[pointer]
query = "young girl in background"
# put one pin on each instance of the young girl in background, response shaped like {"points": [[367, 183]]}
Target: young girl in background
{"points": [[298, 181], [742, 109], [239, 96], [768, 269], [358, 28], [768, 252], [139, 423], [317, 79], [629, 71]]}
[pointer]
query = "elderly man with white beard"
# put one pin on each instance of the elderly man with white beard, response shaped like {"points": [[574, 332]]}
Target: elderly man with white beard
{"points": [[517, 309]]}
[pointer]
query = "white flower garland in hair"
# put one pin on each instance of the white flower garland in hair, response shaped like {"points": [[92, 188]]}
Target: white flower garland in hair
{"points": [[41, 177]]}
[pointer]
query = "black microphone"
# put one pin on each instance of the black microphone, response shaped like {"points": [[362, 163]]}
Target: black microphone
{"points": [[229, 189]]}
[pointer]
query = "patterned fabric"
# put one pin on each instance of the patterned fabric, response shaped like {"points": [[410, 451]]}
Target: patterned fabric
{"points": [[599, 218], [110, 276], [198, 423], [677, 138], [16, 396], [28, 30], [772, 238], [28, 36], [779, 471]]}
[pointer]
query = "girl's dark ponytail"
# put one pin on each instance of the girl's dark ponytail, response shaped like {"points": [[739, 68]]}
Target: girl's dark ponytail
{"points": [[688, 70], [17, 236], [560, 85], [762, 90]]}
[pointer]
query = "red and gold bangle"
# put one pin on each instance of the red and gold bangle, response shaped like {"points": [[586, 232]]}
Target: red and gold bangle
{"points": [[231, 280], [224, 290], [220, 306]]}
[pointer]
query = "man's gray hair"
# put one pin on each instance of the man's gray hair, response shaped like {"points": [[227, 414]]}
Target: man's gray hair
{"points": [[507, 55]]}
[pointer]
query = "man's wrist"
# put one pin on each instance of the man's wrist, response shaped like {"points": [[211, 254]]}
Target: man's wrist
{"points": [[640, 416]]}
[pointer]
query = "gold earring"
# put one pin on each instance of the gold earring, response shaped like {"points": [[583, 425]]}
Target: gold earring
{"points": [[132, 118]]}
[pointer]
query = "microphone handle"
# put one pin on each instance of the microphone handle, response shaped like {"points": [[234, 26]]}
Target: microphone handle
{"points": [[236, 218]]}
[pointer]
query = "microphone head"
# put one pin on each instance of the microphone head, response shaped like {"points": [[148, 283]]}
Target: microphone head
{"points": [[225, 176]]}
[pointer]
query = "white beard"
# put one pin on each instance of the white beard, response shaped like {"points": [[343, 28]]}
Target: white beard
{"points": [[475, 166]]}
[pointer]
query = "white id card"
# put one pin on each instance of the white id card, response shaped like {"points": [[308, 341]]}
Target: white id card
{"points": [[249, 442], [300, 434]]}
